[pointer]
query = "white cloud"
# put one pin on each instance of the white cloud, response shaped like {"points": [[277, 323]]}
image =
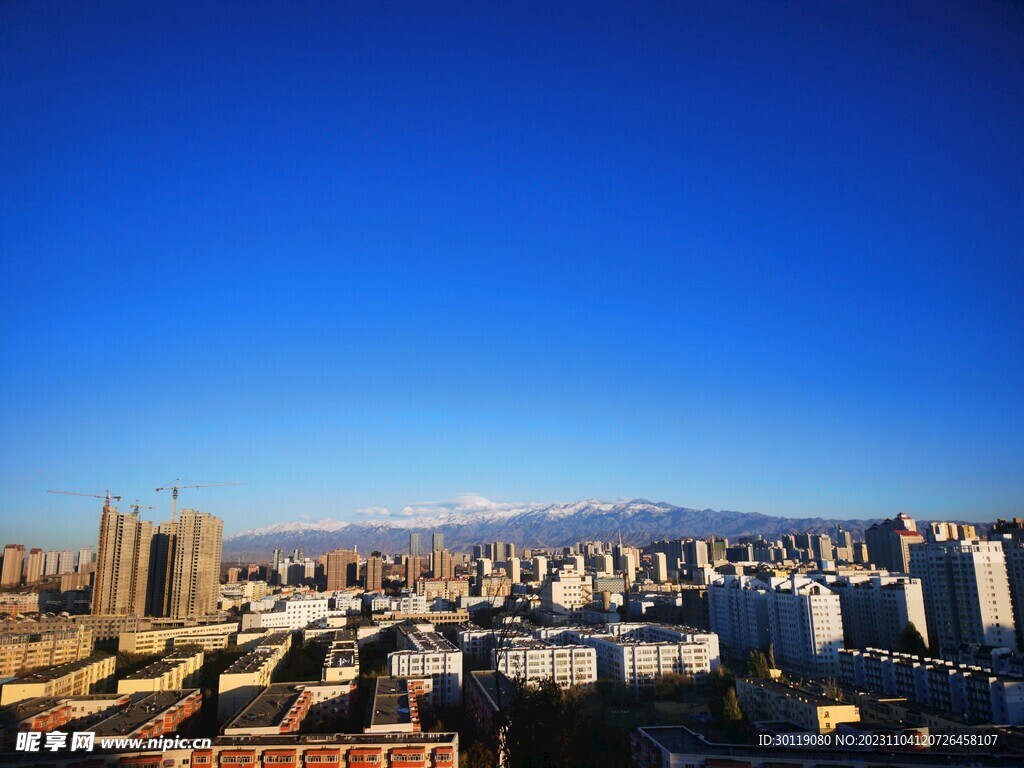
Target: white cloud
{"points": [[373, 512]]}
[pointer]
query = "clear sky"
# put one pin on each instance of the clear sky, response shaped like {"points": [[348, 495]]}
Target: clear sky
{"points": [[757, 256]]}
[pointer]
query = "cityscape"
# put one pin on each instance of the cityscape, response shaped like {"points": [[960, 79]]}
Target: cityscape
{"points": [[751, 650], [460, 384]]}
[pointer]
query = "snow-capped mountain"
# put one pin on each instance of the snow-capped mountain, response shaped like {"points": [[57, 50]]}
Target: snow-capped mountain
{"points": [[474, 520]]}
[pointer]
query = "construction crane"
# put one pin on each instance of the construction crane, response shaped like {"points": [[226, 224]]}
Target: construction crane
{"points": [[175, 487], [106, 496], [136, 507]]}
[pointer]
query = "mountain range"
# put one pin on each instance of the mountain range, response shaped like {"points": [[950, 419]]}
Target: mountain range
{"points": [[639, 522]]}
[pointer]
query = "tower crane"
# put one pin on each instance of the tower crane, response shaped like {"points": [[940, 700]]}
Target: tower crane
{"points": [[106, 496], [176, 486], [136, 506]]}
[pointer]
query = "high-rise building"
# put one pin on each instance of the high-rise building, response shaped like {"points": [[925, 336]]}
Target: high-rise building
{"points": [[695, 552], [415, 548], [437, 541], [441, 564], [374, 581], [540, 568], [483, 568], [413, 567], [660, 569], [161, 569], [844, 538], [14, 557], [116, 564], [1013, 551], [50, 562], [34, 564], [966, 593], [84, 563], [889, 543], [876, 609], [195, 584], [806, 623], [739, 607], [512, 567], [342, 569]]}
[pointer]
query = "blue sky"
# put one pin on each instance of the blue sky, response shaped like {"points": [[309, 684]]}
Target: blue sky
{"points": [[753, 256]]}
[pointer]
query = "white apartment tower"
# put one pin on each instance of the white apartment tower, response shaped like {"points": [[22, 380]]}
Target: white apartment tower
{"points": [[738, 607], [806, 624], [966, 592]]}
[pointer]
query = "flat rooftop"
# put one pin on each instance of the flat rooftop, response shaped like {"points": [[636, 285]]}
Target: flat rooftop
{"points": [[142, 707], [269, 708], [429, 642], [61, 670], [15, 713], [257, 657], [390, 704], [162, 666]]}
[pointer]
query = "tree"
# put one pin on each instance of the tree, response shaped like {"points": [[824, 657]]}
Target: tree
{"points": [[731, 712], [911, 641], [479, 755], [757, 665]]}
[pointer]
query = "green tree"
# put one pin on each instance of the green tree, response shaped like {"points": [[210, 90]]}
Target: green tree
{"points": [[757, 665], [731, 712], [911, 641]]}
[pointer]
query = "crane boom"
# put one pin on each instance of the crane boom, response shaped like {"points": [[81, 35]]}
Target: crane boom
{"points": [[176, 486], [106, 496]]}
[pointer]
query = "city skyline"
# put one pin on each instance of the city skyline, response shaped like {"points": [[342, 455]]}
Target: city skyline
{"points": [[754, 258]]}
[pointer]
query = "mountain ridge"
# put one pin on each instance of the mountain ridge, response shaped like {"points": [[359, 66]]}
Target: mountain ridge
{"points": [[639, 521]]}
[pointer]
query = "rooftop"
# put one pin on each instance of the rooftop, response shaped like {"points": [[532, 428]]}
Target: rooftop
{"points": [[142, 707], [160, 667], [61, 670], [390, 702], [269, 708]]}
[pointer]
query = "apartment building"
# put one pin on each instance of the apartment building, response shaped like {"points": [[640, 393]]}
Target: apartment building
{"points": [[806, 624], [396, 705], [180, 669], [477, 644], [75, 678], [973, 693], [966, 593], [765, 700], [391, 750], [30, 647], [738, 608], [449, 589], [295, 612], [278, 709], [164, 640], [889, 543], [531, 661], [637, 654], [250, 674], [566, 593], [876, 609], [424, 653], [341, 664], [195, 583]]}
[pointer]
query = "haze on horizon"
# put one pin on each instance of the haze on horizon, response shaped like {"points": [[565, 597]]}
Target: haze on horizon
{"points": [[764, 258]]}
